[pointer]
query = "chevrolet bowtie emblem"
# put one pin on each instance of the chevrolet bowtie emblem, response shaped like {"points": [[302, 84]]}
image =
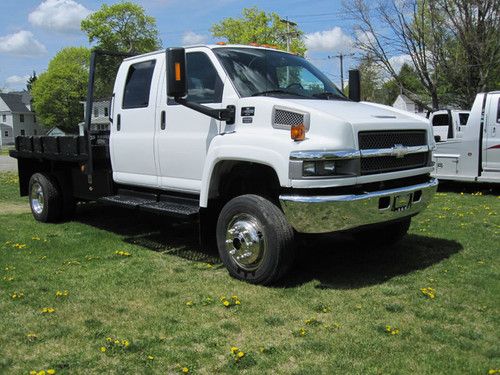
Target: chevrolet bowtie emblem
{"points": [[399, 151]]}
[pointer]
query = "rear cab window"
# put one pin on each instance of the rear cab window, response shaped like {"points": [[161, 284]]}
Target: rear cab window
{"points": [[138, 85], [462, 118]]}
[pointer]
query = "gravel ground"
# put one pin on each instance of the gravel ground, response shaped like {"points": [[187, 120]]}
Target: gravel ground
{"points": [[7, 163]]}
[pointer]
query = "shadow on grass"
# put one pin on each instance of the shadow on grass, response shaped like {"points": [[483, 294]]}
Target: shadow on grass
{"points": [[157, 233], [336, 261], [468, 187]]}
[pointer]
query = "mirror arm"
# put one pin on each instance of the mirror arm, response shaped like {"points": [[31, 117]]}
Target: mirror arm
{"points": [[227, 114]]}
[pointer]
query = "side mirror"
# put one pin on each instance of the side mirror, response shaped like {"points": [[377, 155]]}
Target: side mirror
{"points": [[354, 85], [176, 72]]}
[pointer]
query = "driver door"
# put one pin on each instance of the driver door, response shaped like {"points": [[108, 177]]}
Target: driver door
{"points": [[184, 135]]}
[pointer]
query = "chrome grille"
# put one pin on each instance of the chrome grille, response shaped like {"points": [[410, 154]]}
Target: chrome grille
{"points": [[391, 164], [375, 140], [387, 139]]}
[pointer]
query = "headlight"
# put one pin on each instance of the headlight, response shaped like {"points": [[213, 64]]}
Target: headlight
{"points": [[318, 168]]}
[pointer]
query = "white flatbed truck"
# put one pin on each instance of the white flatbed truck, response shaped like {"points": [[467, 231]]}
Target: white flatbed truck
{"points": [[253, 143], [474, 154]]}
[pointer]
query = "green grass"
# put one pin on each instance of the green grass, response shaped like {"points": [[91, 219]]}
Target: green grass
{"points": [[351, 293], [5, 150]]}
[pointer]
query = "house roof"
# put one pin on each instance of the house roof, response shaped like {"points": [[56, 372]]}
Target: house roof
{"points": [[15, 103], [406, 99]]}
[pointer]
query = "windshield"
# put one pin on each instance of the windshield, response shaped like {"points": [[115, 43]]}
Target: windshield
{"points": [[265, 72]]}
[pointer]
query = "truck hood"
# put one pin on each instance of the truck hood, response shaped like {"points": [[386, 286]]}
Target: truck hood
{"points": [[355, 112]]}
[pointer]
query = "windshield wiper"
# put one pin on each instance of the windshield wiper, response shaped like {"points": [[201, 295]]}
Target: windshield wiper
{"points": [[277, 91], [328, 95]]}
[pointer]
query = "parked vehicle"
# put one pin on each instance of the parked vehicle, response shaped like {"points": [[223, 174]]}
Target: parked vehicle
{"points": [[473, 152], [448, 123], [253, 143]]}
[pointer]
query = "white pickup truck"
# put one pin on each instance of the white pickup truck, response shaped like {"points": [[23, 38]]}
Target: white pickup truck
{"points": [[473, 154], [448, 123], [253, 143]]}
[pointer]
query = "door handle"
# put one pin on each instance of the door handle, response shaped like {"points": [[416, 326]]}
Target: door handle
{"points": [[118, 122], [163, 120]]}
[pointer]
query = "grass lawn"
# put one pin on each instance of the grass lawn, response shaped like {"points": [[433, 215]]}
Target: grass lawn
{"points": [[4, 150], [162, 303]]}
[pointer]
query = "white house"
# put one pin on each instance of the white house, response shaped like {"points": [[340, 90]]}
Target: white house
{"points": [[99, 119], [16, 117], [406, 104]]}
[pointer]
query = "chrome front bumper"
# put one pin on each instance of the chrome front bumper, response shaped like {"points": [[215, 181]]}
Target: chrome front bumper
{"points": [[322, 214]]}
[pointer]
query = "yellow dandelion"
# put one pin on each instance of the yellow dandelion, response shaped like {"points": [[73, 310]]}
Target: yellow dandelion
{"points": [[185, 370], [429, 292], [226, 303], [51, 371], [150, 357], [102, 349], [234, 349]]}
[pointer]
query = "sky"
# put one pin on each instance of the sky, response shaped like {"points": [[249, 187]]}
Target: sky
{"points": [[33, 31]]}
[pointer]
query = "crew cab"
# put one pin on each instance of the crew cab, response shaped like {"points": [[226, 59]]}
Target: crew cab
{"points": [[253, 143], [473, 155], [448, 124]]}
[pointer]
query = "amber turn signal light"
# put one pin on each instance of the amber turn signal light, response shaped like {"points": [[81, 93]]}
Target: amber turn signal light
{"points": [[177, 71], [298, 132]]}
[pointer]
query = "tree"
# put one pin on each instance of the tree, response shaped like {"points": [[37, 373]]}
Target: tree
{"points": [[469, 48], [31, 80], [452, 44], [256, 26], [406, 28], [57, 93], [122, 27]]}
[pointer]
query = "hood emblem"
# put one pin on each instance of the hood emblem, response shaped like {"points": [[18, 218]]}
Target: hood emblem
{"points": [[399, 151]]}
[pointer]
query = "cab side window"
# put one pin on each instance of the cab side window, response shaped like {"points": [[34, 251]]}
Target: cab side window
{"points": [[440, 120], [463, 117], [498, 111], [204, 84], [138, 85]]}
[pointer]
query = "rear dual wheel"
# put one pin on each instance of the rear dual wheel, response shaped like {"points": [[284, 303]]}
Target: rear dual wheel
{"points": [[255, 241], [48, 202]]}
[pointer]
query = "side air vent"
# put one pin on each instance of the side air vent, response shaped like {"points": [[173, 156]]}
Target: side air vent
{"points": [[285, 119]]}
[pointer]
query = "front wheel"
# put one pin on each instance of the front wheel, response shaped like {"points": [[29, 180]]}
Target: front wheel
{"points": [[255, 242]]}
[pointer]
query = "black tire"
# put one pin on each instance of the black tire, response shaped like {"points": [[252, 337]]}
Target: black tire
{"points": [[272, 248], [50, 209], [384, 235]]}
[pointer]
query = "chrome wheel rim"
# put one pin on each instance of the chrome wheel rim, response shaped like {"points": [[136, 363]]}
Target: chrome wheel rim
{"points": [[37, 199], [245, 241]]}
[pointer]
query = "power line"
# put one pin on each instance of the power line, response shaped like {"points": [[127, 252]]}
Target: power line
{"points": [[341, 57]]}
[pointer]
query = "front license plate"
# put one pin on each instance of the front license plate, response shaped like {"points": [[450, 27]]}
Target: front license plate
{"points": [[402, 202]]}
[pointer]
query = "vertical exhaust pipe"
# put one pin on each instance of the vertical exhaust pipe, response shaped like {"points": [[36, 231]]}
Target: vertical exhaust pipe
{"points": [[354, 85]]}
